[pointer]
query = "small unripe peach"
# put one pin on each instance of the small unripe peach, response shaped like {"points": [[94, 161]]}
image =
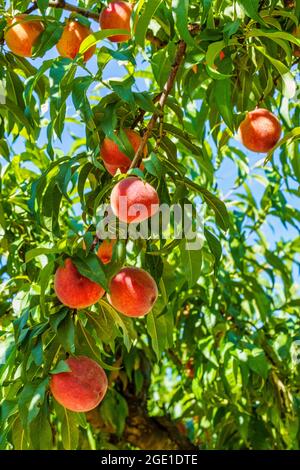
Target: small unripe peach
{"points": [[133, 292], [105, 251], [113, 158], [222, 55], [133, 200], [260, 130], [21, 37], [82, 388], [117, 16], [75, 290], [73, 35]]}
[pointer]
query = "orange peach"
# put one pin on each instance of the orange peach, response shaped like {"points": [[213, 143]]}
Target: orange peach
{"points": [[113, 158], [81, 389], [75, 290], [117, 16], [21, 37], [260, 130], [133, 200], [133, 292], [73, 35], [105, 251]]}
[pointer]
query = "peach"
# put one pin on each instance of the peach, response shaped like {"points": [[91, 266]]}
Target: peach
{"points": [[113, 158], [105, 251], [21, 37], [81, 389], [260, 130], [73, 35], [117, 16], [75, 290], [133, 200], [133, 292]]}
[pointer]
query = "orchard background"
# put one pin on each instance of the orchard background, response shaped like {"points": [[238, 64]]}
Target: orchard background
{"points": [[213, 365]]}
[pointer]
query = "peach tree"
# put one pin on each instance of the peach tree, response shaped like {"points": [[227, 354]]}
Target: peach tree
{"points": [[154, 92]]}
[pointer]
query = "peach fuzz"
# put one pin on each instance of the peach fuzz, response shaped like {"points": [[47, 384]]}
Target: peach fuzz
{"points": [[113, 158], [81, 389], [105, 251], [260, 130], [75, 290], [133, 200], [133, 292], [117, 16], [21, 37], [73, 35]]}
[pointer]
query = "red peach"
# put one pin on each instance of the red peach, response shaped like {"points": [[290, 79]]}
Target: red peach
{"points": [[133, 292], [73, 35], [133, 200], [260, 130], [105, 251], [81, 389], [75, 290], [114, 159], [117, 16], [21, 37]]}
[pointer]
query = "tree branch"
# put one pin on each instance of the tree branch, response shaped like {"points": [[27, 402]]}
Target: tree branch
{"points": [[67, 6], [181, 49]]}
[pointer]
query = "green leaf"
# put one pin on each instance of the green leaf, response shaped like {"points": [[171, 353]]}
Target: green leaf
{"points": [[289, 85], [40, 430], [69, 427], [191, 263], [223, 98], [158, 326], [258, 363], [91, 268], [144, 20], [94, 38], [214, 246], [180, 10], [62, 366], [116, 317], [289, 137], [66, 334], [251, 9]]}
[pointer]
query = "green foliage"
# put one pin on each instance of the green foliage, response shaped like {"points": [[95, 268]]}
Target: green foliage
{"points": [[218, 344]]}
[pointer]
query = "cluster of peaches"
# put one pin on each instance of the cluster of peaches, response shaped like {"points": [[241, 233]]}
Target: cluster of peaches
{"points": [[132, 291], [22, 33]]}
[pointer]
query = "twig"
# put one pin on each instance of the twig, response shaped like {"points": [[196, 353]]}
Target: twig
{"points": [[162, 101], [67, 6], [142, 112]]}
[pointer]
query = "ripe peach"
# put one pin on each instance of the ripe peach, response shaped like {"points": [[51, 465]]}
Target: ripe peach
{"points": [[133, 292], [75, 290], [73, 35], [105, 251], [133, 200], [81, 389], [21, 37], [114, 159], [117, 16], [260, 130]]}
